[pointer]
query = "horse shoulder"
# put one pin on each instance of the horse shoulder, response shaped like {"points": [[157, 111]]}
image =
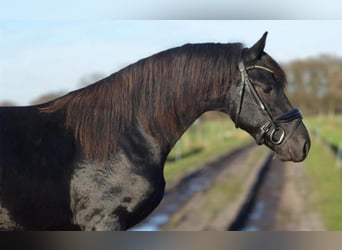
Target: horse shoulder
{"points": [[114, 196]]}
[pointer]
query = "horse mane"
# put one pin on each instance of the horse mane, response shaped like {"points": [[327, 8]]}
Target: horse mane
{"points": [[99, 114]]}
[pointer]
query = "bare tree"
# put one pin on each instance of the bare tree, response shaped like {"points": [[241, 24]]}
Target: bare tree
{"points": [[47, 97], [7, 103], [91, 78], [315, 84]]}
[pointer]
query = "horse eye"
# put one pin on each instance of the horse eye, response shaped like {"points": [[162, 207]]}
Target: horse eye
{"points": [[267, 90]]}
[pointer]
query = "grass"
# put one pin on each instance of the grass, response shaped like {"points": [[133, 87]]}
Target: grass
{"points": [[329, 127], [210, 138], [325, 172]]}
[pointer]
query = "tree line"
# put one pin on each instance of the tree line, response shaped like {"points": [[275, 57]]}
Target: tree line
{"points": [[314, 85]]}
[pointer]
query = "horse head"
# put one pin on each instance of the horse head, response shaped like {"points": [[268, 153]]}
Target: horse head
{"points": [[258, 105]]}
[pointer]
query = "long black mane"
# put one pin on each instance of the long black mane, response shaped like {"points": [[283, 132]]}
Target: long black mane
{"points": [[151, 87]]}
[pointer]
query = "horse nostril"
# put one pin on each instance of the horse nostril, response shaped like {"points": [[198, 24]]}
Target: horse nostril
{"points": [[306, 148]]}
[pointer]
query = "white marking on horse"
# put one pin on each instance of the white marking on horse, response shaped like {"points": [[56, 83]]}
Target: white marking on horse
{"points": [[97, 193]]}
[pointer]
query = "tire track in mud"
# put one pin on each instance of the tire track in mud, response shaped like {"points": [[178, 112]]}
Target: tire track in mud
{"points": [[251, 204], [279, 201]]}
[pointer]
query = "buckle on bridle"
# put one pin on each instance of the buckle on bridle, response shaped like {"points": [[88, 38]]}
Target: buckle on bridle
{"points": [[281, 138], [265, 128]]}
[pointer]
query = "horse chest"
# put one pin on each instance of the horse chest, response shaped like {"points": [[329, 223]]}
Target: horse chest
{"points": [[116, 198]]}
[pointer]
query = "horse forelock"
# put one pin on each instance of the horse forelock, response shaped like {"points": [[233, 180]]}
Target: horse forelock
{"points": [[99, 114]]}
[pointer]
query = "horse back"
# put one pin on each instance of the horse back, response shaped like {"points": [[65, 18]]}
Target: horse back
{"points": [[36, 159], [29, 137]]}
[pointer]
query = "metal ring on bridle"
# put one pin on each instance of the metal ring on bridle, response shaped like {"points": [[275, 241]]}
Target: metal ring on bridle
{"points": [[281, 138]]}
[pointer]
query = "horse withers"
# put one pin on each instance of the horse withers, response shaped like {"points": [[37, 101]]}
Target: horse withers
{"points": [[93, 159]]}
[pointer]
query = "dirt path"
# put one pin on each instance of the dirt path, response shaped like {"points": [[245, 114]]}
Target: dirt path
{"points": [[283, 202], [193, 184], [219, 203], [295, 210], [212, 197]]}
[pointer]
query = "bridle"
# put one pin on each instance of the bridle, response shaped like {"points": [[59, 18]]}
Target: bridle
{"points": [[273, 126]]}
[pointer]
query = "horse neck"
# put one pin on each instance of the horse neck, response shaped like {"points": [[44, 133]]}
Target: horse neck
{"points": [[161, 96], [178, 98]]}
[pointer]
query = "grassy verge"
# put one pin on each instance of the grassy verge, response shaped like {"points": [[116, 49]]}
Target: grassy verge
{"points": [[325, 172], [326, 184], [330, 127]]}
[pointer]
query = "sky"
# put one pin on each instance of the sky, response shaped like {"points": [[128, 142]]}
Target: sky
{"points": [[170, 9], [43, 56]]}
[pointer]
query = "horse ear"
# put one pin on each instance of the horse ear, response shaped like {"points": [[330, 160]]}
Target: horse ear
{"points": [[257, 49]]}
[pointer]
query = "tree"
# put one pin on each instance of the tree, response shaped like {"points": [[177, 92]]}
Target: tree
{"points": [[91, 78], [47, 97], [7, 103], [315, 84]]}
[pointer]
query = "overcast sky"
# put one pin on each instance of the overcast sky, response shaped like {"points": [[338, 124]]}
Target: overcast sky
{"points": [[39, 56]]}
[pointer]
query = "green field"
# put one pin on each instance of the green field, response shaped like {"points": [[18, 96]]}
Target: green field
{"points": [[330, 127], [324, 170], [202, 142]]}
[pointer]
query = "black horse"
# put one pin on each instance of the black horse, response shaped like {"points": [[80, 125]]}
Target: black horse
{"points": [[93, 159]]}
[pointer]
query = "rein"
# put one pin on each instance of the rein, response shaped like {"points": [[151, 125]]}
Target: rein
{"points": [[273, 126]]}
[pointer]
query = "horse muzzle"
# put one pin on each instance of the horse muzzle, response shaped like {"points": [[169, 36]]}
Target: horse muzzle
{"points": [[274, 130], [296, 147]]}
